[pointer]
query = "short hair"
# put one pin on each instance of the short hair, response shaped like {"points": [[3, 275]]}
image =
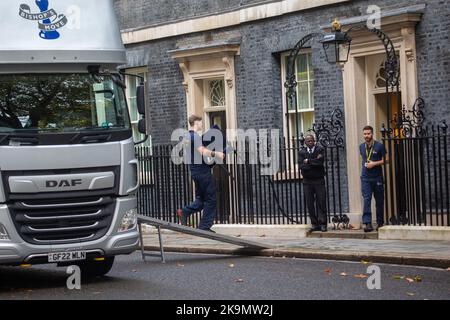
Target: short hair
{"points": [[310, 135], [193, 119], [368, 128]]}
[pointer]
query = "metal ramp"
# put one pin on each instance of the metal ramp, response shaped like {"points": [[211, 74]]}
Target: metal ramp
{"points": [[161, 224]]}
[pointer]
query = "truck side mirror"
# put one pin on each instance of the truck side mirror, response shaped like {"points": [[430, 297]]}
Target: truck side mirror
{"points": [[140, 97], [142, 127]]}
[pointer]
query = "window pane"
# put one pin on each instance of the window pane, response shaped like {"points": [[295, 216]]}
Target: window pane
{"points": [[311, 94], [308, 120], [310, 67], [217, 93], [290, 104], [132, 86], [295, 124], [302, 67], [303, 96], [133, 109], [60, 102]]}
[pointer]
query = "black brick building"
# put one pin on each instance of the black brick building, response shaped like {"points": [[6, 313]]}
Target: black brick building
{"points": [[184, 46]]}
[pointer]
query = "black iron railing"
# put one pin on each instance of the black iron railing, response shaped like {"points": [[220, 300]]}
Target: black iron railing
{"points": [[245, 195], [417, 173]]}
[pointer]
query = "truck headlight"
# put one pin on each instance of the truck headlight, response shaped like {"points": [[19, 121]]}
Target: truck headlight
{"points": [[129, 221], [3, 233]]}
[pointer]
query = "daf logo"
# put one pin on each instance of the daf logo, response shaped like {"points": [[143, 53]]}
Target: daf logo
{"points": [[63, 183]]}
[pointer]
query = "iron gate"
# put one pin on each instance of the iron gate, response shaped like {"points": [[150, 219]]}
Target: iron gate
{"points": [[416, 175]]}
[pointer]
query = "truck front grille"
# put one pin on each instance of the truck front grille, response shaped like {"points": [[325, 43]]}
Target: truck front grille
{"points": [[49, 222]]}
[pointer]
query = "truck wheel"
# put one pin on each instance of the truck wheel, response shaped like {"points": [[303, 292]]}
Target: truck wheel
{"points": [[91, 269]]}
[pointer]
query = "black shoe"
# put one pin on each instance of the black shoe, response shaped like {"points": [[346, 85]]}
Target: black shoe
{"points": [[182, 218], [316, 228], [368, 228], [380, 226], [324, 229]]}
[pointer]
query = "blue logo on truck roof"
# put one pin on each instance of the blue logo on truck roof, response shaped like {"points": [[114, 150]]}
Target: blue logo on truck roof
{"points": [[48, 20]]}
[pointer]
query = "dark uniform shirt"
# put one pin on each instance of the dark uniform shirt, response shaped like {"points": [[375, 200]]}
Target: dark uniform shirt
{"points": [[313, 172], [377, 154], [196, 161]]}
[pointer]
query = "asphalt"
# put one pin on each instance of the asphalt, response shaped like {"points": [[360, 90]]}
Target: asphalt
{"points": [[215, 277], [415, 253]]}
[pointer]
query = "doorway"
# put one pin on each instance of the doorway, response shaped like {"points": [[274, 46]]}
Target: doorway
{"points": [[220, 172], [215, 108], [381, 108], [395, 198]]}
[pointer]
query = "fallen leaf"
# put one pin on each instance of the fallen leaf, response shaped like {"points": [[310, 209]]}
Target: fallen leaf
{"points": [[410, 294], [409, 280], [365, 262], [328, 270], [360, 276], [239, 280], [133, 270], [231, 265], [399, 277], [418, 279], [180, 265], [343, 274]]}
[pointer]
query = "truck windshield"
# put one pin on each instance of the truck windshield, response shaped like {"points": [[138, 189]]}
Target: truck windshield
{"points": [[61, 103]]}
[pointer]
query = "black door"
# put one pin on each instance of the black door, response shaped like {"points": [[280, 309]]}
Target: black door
{"points": [[220, 172]]}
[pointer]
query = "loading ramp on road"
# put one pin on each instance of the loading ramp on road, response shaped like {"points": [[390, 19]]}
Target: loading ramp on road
{"points": [[161, 224]]}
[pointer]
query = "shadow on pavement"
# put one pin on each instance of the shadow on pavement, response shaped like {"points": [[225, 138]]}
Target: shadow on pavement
{"points": [[18, 279]]}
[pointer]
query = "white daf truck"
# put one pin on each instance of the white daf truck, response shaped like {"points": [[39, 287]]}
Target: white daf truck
{"points": [[68, 172]]}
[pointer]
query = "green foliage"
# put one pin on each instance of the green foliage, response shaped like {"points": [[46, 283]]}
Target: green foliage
{"points": [[52, 102]]}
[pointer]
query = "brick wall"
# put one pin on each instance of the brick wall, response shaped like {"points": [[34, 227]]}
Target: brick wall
{"points": [[139, 13], [258, 73]]}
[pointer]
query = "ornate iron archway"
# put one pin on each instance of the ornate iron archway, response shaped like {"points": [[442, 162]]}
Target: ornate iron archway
{"points": [[329, 132]]}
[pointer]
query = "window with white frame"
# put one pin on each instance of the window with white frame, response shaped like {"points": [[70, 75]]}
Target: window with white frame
{"points": [[215, 93], [132, 83], [214, 98], [302, 119]]}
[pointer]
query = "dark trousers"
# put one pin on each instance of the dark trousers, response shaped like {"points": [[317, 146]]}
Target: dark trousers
{"points": [[369, 188], [316, 200], [205, 199]]}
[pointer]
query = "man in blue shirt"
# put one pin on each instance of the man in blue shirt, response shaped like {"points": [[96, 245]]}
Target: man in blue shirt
{"points": [[373, 155], [205, 188]]}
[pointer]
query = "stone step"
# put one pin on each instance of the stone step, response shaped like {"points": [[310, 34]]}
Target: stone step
{"points": [[344, 234]]}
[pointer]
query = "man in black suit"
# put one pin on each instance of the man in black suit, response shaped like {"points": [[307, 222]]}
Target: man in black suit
{"points": [[311, 160]]}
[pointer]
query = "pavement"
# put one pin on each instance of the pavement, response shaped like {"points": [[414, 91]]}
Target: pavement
{"points": [[401, 252], [215, 277]]}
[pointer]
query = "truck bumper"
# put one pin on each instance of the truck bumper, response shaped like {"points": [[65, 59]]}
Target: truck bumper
{"points": [[15, 251]]}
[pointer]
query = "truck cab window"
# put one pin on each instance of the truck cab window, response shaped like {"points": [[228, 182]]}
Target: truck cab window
{"points": [[61, 103]]}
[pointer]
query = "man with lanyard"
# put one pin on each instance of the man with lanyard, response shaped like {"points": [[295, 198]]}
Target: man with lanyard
{"points": [[205, 189], [373, 154]]}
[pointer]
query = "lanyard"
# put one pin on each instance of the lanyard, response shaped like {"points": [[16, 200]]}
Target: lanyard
{"points": [[369, 154]]}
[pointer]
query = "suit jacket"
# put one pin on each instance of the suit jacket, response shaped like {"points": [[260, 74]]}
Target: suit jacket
{"points": [[314, 170]]}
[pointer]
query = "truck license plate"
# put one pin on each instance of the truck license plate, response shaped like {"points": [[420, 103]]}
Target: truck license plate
{"points": [[66, 256]]}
